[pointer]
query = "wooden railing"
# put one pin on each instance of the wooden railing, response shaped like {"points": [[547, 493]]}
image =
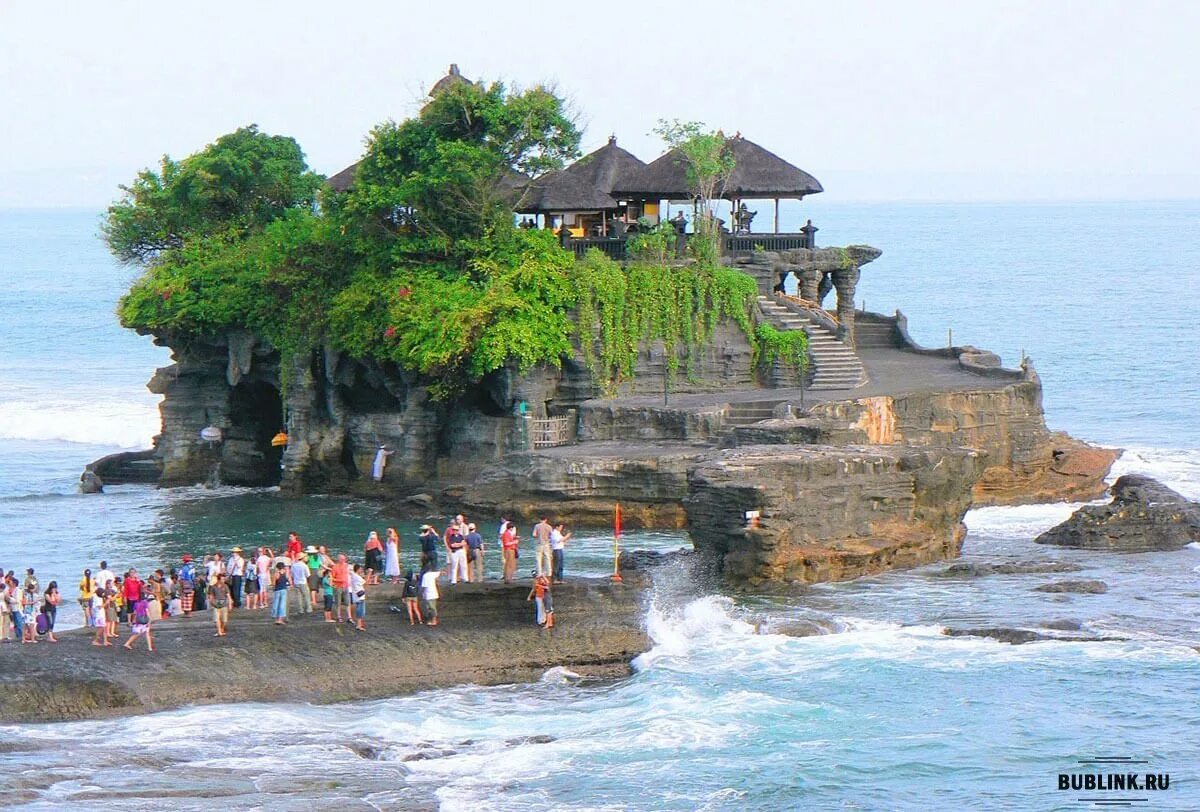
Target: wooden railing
{"points": [[614, 247], [552, 431], [744, 243]]}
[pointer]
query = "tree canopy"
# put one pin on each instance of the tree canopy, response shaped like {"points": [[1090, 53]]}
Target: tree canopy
{"points": [[240, 183]]}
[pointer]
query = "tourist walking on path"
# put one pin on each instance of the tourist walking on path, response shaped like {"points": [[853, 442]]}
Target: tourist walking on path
{"points": [[391, 557], [87, 591], [558, 544], [429, 592], [373, 555], [475, 552], [429, 545], [50, 603], [141, 623], [279, 594], [358, 597], [219, 595], [543, 605], [541, 536], [456, 551], [299, 574], [236, 569], [510, 544], [412, 590]]}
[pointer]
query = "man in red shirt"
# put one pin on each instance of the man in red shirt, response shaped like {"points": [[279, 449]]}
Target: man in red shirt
{"points": [[509, 542], [132, 591], [340, 576], [294, 546]]}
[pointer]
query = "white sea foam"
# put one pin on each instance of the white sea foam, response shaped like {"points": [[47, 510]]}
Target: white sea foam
{"points": [[125, 423], [1177, 468]]}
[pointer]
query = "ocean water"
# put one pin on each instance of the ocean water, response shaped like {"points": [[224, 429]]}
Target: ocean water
{"points": [[725, 711]]}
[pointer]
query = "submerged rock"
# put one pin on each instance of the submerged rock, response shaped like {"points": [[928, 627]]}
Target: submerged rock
{"points": [[1143, 516], [1077, 587], [963, 569], [1017, 637]]}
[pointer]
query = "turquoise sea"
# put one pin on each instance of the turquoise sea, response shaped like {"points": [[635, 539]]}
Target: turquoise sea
{"points": [[884, 712]]}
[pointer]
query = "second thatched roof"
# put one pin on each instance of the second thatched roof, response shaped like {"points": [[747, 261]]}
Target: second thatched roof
{"points": [[757, 173], [608, 167], [562, 191]]}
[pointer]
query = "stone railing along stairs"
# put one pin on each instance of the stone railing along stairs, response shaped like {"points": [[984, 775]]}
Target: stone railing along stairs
{"points": [[835, 365]]}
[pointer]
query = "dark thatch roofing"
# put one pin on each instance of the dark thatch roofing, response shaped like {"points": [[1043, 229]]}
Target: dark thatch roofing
{"points": [[452, 78], [608, 167], [562, 191], [343, 180], [757, 173]]}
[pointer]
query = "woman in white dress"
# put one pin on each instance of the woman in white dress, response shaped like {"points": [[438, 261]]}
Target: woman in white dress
{"points": [[391, 565]]}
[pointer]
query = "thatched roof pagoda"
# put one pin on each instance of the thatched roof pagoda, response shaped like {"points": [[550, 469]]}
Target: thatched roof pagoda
{"points": [[563, 191], [757, 173], [608, 167]]}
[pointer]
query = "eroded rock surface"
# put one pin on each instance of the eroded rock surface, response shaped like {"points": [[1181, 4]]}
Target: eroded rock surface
{"points": [[1144, 515]]}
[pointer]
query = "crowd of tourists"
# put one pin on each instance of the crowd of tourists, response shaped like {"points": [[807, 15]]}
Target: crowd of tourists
{"points": [[299, 578]]}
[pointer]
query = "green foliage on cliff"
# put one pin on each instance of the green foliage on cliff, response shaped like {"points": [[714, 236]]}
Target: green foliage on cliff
{"points": [[621, 309], [790, 347], [417, 264]]}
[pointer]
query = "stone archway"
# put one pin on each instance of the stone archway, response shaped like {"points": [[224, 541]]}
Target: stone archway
{"points": [[255, 415]]}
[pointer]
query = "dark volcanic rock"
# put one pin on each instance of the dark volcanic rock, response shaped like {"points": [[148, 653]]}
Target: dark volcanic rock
{"points": [[1064, 625], [645, 559], [964, 569], [1078, 587], [1144, 515], [1002, 633]]}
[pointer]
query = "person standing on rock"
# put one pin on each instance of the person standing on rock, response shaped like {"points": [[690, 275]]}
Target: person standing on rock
{"points": [[456, 552], [131, 590], [475, 552], [104, 576], [429, 592], [294, 545], [87, 591], [187, 585], [541, 535], [299, 574], [510, 548], [218, 599], [391, 557], [373, 556], [340, 575], [412, 591], [313, 560], [99, 616], [236, 569], [263, 565], [281, 585], [358, 597], [543, 604], [429, 545], [558, 544], [50, 603]]}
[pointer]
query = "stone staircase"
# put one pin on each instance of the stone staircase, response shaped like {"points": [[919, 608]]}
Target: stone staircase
{"points": [[746, 414], [834, 365], [874, 334]]}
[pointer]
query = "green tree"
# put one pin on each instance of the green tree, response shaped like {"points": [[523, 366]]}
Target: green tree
{"points": [[709, 163], [240, 183], [435, 185]]}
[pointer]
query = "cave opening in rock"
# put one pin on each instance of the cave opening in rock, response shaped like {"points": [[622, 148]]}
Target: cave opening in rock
{"points": [[255, 415]]}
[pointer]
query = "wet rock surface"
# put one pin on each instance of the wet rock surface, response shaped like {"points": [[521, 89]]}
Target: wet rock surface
{"points": [[963, 569], [1076, 587], [487, 636], [1144, 515]]}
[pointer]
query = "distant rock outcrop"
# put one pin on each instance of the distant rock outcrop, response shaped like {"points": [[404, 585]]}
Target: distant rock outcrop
{"points": [[1143, 516]]}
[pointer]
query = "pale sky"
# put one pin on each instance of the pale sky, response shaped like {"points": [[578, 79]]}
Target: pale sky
{"points": [[881, 100]]}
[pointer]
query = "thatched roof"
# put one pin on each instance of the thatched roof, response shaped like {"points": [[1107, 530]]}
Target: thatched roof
{"points": [[757, 173], [562, 191], [343, 180], [452, 78], [608, 167]]}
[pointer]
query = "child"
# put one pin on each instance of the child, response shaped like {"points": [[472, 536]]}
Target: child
{"points": [[100, 616], [141, 623], [358, 596], [543, 604], [29, 611], [113, 602], [327, 594], [411, 588]]}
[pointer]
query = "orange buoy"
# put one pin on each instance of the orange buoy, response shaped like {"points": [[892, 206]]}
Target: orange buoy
{"points": [[280, 439]]}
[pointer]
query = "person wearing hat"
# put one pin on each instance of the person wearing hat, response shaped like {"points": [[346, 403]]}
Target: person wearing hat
{"points": [[312, 558], [475, 552], [236, 570]]}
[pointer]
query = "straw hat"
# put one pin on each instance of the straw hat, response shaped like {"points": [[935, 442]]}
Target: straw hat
{"points": [[310, 549], [236, 550]]}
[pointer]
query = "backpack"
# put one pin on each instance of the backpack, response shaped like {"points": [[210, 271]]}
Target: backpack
{"points": [[43, 623], [141, 616]]}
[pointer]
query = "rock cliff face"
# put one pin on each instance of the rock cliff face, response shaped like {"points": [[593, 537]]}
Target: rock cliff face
{"points": [[829, 513]]}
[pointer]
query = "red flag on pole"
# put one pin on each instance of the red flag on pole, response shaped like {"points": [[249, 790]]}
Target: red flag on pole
{"points": [[617, 521], [616, 576]]}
